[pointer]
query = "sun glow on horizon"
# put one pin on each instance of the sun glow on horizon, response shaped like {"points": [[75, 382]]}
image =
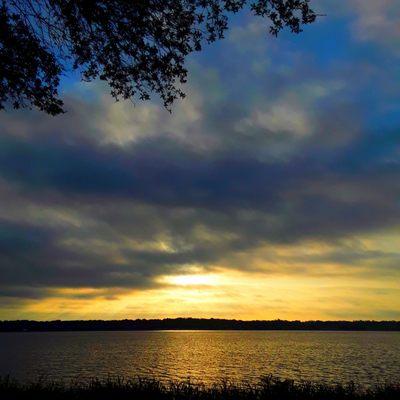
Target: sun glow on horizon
{"points": [[192, 280]]}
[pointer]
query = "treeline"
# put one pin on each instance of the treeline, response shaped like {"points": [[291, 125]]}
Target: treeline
{"points": [[195, 323]]}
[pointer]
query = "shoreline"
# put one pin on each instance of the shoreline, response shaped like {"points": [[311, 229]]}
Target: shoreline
{"points": [[197, 324]]}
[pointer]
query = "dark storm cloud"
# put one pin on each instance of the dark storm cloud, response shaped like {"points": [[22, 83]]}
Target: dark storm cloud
{"points": [[35, 257], [282, 156], [18, 240], [316, 194], [247, 202], [147, 173], [24, 292]]}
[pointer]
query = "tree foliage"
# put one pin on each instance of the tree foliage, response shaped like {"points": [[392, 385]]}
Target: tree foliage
{"points": [[137, 46]]}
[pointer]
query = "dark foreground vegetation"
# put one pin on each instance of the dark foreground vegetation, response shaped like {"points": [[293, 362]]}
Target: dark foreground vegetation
{"points": [[195, 323], [268, 388]]}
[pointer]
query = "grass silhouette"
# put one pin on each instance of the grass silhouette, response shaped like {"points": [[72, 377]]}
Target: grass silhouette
{"points": [[268, 387]]}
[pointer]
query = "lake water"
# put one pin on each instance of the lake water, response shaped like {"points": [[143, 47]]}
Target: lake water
{"points": [[364, 357]]}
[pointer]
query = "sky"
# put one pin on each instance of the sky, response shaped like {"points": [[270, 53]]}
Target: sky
{"points": [[271, 191]]}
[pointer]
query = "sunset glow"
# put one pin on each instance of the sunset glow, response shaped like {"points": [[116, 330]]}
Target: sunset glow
{"points": [[192, 280]]}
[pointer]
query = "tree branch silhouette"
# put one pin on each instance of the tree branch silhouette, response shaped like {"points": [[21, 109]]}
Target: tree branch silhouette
{"points": [[138, 47]]}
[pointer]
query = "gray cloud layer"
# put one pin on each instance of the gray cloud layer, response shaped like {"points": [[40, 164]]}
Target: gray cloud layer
{"points": [[113, 197]]}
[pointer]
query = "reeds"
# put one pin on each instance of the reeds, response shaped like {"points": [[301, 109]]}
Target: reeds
{"points": [[268, 388]]}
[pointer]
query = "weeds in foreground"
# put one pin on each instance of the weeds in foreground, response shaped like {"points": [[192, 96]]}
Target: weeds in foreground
{"points": [[268, 388]]}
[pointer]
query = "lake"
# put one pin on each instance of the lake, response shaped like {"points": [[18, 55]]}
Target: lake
{"points": [[364, 357]]}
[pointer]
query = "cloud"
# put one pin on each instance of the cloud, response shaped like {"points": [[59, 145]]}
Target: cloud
{"points": [[377, 21], [122, 216], [287, 172]]}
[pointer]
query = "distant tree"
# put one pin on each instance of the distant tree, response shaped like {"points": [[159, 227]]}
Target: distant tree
{"points": [[137, 46]]}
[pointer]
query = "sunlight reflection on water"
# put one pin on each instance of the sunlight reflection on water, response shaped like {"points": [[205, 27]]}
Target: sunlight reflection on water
{"points": [[207, 356]]}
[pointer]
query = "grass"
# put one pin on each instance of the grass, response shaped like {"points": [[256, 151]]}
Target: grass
{"points": [[268, 387]]}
